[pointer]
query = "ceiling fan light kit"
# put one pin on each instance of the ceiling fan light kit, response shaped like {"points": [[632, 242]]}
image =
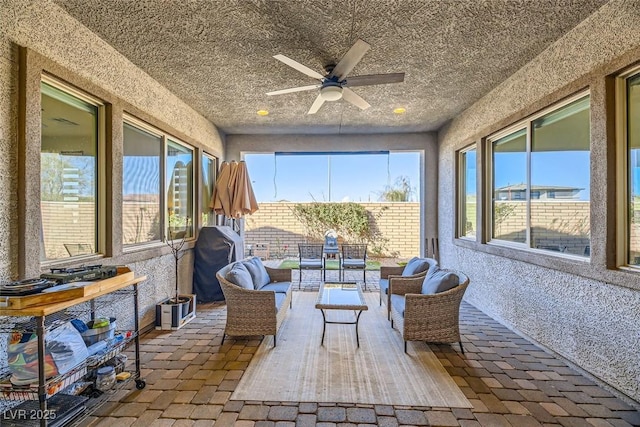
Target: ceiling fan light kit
{"points": [[333, 85], [331, 93]]}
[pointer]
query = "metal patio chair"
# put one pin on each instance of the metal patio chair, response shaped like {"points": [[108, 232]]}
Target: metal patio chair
{"points": [[311, 257], [354, 257]]}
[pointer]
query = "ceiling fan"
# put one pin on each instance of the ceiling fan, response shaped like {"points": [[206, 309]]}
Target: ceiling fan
{"points": [[335, 85]]}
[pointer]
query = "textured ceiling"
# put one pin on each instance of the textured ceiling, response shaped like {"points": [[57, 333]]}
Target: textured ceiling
{"points": [[218, 55]]}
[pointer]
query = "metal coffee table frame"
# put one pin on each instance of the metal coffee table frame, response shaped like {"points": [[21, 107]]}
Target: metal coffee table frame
{"points": [[341, 296]]}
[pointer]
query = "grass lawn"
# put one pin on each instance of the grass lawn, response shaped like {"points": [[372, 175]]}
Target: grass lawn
{"points": [[332, 264]]}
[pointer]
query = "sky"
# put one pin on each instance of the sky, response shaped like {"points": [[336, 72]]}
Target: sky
{"points": [[556, 168], [336, 177], [363, 177]]}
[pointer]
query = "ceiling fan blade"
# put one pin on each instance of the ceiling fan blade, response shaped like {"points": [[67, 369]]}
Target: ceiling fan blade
{"points": [[298, 66], [316, 105], [350, 59], [374, 79], [294, 89], [354, 98]]}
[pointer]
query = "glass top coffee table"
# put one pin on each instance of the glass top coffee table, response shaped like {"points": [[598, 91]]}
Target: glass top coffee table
{"points": [[341, 296]]}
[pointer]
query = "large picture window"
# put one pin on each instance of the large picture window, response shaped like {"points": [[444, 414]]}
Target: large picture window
{"points": [[633, 167], [541, 173], [141, 219], [179, 190], [335, 177], [68, 173], [157, 186], [467, 203]]}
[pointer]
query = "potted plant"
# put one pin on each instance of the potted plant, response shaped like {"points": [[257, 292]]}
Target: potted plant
{"points": [[179, 306]]}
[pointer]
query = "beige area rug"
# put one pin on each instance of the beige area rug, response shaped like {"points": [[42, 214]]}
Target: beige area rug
{"points": [[379, 372]]}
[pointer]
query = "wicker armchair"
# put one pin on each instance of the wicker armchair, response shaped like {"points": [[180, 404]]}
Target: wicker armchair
{"points": [[253, 312], [388, 273], [431, 318]]}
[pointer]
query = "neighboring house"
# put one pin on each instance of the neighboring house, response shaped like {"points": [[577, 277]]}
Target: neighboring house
{"points": [[518, 192]]}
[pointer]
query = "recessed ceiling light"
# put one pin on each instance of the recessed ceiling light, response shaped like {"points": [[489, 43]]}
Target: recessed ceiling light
{"points": [[400, 110], [263, 112]]}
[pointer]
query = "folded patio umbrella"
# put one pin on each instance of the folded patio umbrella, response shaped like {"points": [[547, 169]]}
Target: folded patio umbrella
{"points": [[233, 194], [221, 200], [243, 200]]}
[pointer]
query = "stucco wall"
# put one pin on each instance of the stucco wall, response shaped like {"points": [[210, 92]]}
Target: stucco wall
{"points": [[581, 309], [76, 54]]}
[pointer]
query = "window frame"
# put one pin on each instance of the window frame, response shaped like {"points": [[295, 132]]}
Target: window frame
{"points": [[214, 177], [490, 182], [132, 120], [135, 122], [527, 124], [194, 196], [461, 192], [101, 219], [623, 212]]}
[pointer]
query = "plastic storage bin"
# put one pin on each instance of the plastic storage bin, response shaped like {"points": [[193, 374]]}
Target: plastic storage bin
{"points": [[92, 336]]}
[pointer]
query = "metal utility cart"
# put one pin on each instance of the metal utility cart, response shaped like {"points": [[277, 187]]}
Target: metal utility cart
{"points": [[46, 403]]}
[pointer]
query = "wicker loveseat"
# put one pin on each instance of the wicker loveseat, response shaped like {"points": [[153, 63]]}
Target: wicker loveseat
{"points": [[257, 297], [429, 310], [413, 271]]}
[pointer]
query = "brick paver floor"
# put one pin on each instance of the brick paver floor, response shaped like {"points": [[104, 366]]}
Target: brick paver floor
{"points": [[509, 381]]}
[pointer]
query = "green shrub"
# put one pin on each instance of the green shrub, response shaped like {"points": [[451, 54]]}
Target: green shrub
{"points": [[350, 220]]}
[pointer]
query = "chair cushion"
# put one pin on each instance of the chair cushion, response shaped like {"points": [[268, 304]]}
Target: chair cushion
{"points": [[258, 273], [410, 266], [310, 263], [239, 275], [278, 287], [439, 281], [417, 265], [398, 303], [353, 263], [280, 297], [384, 286]]}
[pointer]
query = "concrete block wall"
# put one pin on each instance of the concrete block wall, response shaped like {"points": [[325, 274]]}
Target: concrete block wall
{"points": [[564, 224], [275, 224], [69, 223]]}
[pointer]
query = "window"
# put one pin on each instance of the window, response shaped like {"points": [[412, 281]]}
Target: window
{"points": [[632, 130], [207, 181], [336, 176], [509, 178], [538, 200], [154, 164], [179, 185], [68, 172], [467, 193], [141, 219]]}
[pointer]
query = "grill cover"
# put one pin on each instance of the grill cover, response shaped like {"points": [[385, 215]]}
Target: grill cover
{"points": [[215, 248]]}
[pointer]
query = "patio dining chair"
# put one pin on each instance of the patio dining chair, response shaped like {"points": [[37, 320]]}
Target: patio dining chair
{"points": [[354, 257], [311, 257]]}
